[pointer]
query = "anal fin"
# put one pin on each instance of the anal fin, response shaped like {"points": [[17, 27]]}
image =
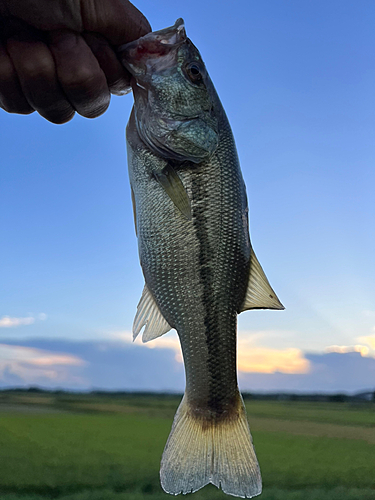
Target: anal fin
{"points": [[148, 313], [259, 293]]}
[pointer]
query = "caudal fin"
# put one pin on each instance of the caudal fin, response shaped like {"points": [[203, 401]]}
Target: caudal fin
{"points": [[200, 452]]}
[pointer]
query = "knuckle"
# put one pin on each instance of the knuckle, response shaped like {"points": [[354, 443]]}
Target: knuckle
{"points": [[60, 112], [41, 67], [15, 108], [59, 119], [81, 77], [6, 70], [120, 87], [95, 108]]}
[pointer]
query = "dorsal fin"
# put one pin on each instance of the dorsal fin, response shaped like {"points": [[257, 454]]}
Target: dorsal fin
{"points": [[259, 293], [148, 313]]}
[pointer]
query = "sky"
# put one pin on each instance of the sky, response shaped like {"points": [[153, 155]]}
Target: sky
{"points": [[297, 82]]}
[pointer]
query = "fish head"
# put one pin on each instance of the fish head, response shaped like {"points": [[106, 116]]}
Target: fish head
{"points": [[174, 97]]}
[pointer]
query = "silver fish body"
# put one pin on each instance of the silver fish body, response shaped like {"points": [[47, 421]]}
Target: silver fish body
{"points": [[191, 218]]}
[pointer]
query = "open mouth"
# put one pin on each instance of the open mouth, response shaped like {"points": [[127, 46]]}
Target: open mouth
{"points": [[155, 45]]}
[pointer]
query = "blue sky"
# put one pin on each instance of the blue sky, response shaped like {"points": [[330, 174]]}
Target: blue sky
{"points": [[297, 82]]}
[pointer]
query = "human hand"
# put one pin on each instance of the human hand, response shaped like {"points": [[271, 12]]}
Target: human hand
{"points": [[57, 57]]}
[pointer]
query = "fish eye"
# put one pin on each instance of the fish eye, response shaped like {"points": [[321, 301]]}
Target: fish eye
{"points": [[194, 72]]}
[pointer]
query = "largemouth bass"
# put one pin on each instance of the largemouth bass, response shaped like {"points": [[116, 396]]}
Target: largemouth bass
{"points": [[191, 218]]}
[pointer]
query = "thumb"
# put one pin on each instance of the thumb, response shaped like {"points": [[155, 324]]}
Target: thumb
{"points": [[118, 20]]}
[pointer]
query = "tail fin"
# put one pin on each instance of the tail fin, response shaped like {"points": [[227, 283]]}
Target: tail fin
{"points": [[201, 452]]}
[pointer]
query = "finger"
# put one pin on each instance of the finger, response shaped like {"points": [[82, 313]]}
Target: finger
{"points": [[12, 99], [118, 79], [79, 74], [118, 20], [36, 71]]}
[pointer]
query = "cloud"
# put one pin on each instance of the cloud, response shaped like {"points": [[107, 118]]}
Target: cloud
{"points": [[266, 360], [362, 349], [35, 356], [123, 365], [23, 363], [329, 372], [250, 357], [369, 340], [8, 322], [167, 341], [103, 365], [366, 348]]}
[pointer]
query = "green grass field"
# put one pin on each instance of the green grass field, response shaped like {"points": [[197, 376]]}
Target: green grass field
{"points": [[88, 447]]}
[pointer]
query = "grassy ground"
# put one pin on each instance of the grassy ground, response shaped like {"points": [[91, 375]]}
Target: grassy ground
{"points": [[75, 447]]}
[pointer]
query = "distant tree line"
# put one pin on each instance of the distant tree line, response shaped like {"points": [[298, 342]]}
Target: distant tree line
{"points": [[269, 396]]}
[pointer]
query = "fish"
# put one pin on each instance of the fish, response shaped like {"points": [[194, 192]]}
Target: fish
{"points": [[191, 220]]}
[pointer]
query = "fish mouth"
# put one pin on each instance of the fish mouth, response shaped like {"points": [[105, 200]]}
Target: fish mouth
{"points": [[155, 50]]}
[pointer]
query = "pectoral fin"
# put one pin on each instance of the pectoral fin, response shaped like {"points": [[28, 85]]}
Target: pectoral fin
{"points": [[148, 313], [259, 294], [170, 181]]}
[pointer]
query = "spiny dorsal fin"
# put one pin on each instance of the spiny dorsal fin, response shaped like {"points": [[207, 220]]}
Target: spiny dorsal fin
{"points": [[172, 184], [259, 293], [149, 314]]}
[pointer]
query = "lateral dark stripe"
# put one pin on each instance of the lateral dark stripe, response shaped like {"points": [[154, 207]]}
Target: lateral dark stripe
{"points": [[216, 402]]}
